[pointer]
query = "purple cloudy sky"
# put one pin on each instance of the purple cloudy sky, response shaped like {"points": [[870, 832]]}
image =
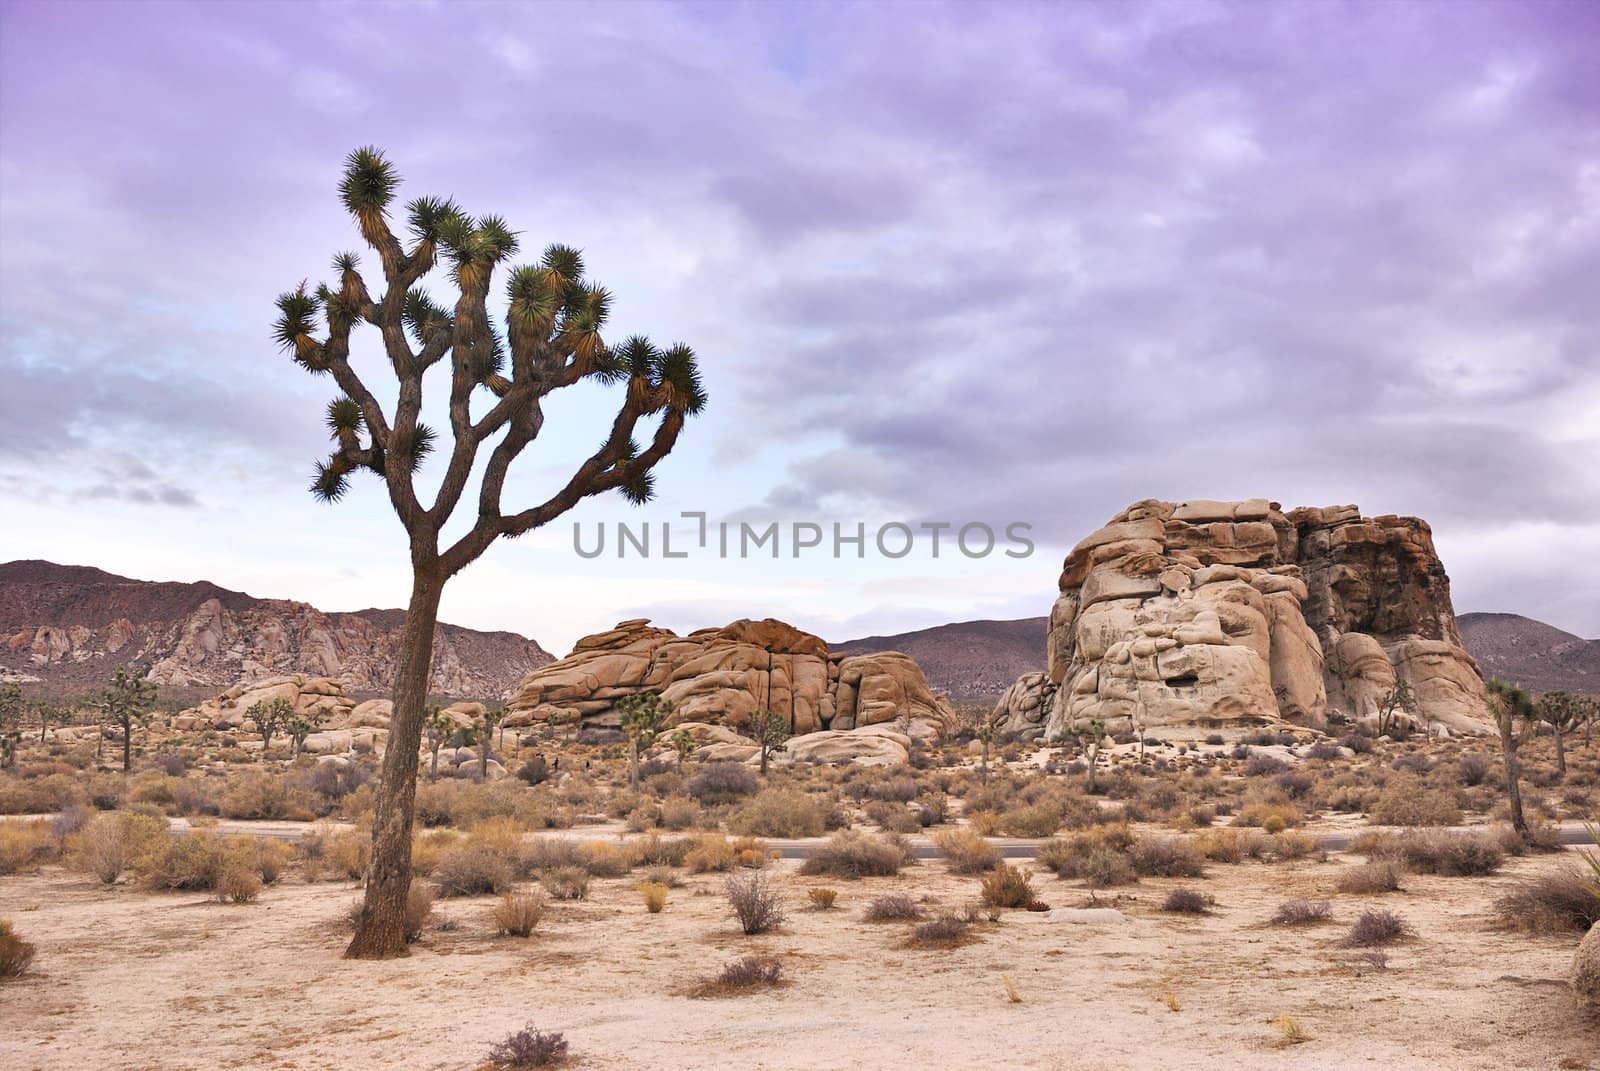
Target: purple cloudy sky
{"points": [[957, 262]]}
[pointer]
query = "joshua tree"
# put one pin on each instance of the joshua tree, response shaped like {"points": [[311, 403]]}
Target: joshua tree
{"points": [[492, 716], [1564, 713], [50, 713], [1090, 736], [769, 730], [439, 727], [10, 723], [683, 743], [130, 701], [642, 716], [1395, 702], [270, 718], [551, 340], [299, 728], [1517, 719]]}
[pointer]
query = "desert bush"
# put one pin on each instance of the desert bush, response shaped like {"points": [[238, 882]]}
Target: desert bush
{"points": [[602, 859], [850, 854], [1302, 912], [1378, 926], [1568, 902], [419, 908], [1006, 886], [528, 1047], [472, 869], [1449, 854], [1406, 801], [1038, 820], [346, 853], [946, 931], [656, 850], [1097, 856], [1273, 812], [893, 908], [518, 914], [15, 953], [1187, 902], [1167, 857], [755, 901], [780, 812], [265, 796], [1260, 764], [712, 852], [110, 844], [723, 782], [967, 852], [1472, 769], [678, 812], [1360, 743], [428, 847], [238, 881], [751, 972], [546, 853], [565, 882], [24, 845], [654, 896], [822, 899], [1291, 844], [189, 861], [1324, 751], [752, 852], [1376, 877], [1222, 845], [892, 817], [1295, 784]]}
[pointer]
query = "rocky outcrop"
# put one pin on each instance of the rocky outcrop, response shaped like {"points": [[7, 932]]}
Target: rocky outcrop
{"points": [[720, 677], [73, 624], [1207, 614], [1586, 968]]}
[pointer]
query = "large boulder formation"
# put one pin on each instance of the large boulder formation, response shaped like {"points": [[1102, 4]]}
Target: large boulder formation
{"points": [[722, 676], [1207, 614]]}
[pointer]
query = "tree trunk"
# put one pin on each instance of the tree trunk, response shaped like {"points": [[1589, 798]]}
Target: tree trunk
{"points": [[127, 744], [380, 931], [1514, 789], [1561, 754], [633, 763]]}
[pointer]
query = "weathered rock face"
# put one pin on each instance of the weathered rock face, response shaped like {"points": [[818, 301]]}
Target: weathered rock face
{"points": [[1207, 614], [75, 624], [723, 676]]}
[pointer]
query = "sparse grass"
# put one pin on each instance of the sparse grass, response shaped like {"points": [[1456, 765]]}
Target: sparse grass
{"points": [[822, 899], [1187, 902], [1007, 886], [1377, 926], [967, 852], [1376, 877], [892, 909], [849, 854], [654, 896], [1302, 912], [756, 902], [519, 914], [1290, 1030]]}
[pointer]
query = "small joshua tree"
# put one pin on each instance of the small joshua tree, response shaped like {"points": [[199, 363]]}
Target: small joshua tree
{"points": [[300, 726], [10, 723], [499, 379], [683, 743], [1091, 737], [491, 717], [1396, 702], [1564, 713], [642, 716], [1516, 718], [769, 730], [271, 719], [130, 701], [50, 714], [439, 727]]}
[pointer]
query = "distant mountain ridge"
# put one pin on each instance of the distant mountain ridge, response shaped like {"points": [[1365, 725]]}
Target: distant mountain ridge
{"points": [[975, 661], [71, 625]]}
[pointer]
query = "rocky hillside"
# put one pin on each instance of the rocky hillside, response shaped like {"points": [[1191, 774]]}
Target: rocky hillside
{"points": [[970, 661], [1531, 653], [69, 626]]}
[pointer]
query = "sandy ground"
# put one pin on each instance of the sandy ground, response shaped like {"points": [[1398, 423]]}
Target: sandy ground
{"points": [[126, 979]]}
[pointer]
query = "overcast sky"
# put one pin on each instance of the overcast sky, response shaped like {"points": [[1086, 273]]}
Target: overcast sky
{"points": [[1000, 263]]}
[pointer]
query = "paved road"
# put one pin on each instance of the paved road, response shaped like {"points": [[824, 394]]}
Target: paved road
{"points": [[922, 846]]}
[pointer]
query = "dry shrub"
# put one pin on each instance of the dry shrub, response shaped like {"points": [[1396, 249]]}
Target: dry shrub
{"points": [[427, 848], [15, 953], [238, 881], [654, 896], [894, 908], [751, 972], [108, 846], [1568, 902], [528, 1048], [546, 853], [849, 854], [710, 853], [1167, 857], [967, 852], [1291, 844], [1302, 912], [1273, 813], [1098, 857], [1187, 902], [189, 861], [1379, 926], [679, 813], [602, 859], [822, 899], [1039, 820], [1006, 886], [502, 835], [518, 914], [344, 852], [419, 909], [1221, 845], [1380, 876], [565, 882], [752, 852], [946, 931], [472, 869], [656, 850], [780, 812], [723, 782], [272, 858], [755, 901], [1407, 801], [24, 845], [1454, 855]]}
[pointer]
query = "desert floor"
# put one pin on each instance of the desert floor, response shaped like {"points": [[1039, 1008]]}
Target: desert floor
{"points": [[128, 979]]}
